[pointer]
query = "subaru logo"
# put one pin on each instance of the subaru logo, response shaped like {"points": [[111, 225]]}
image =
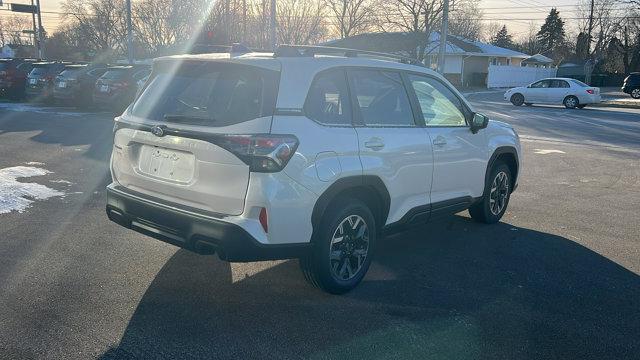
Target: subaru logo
{"points": [[157, 131]]}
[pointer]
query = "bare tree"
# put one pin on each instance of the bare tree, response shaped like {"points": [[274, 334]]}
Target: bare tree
{"points": [[350, 17], [417, 17], [300, 22], [102, 22], [11, 29], [466, 20]]}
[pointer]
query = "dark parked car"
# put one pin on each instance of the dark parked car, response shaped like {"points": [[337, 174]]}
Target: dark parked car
{"points": [[74, 85], [117, 88], [13, 75], [40, 80], [631, 85]]}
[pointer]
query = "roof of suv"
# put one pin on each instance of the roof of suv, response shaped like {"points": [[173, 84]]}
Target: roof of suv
{"points": [[298, 71]]}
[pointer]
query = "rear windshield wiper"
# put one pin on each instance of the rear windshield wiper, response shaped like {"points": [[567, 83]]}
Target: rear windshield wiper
{"points": [[187, 119]]}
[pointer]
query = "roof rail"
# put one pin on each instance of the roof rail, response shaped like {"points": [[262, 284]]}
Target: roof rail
{"points": [[308, 50]]}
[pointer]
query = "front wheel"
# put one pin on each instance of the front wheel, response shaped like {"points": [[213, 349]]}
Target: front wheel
{"points": [[496, 196], [342, 248]]}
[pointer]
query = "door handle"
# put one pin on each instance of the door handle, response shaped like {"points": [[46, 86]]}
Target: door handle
{"points": [[439, 141], [374, 144]]}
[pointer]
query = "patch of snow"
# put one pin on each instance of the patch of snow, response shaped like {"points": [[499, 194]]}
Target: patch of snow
{"points": [[21, 107], [34, 163], [61, 182], [548, 151], [18, 196]]}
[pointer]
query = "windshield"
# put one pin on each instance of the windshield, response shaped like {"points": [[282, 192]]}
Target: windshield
{"points": [[215, 95], [580, 83]]}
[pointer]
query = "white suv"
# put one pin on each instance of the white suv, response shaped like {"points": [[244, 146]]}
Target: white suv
{"points": [[300, 155]]}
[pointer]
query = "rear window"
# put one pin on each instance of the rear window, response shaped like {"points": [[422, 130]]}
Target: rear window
{"points": [[114, 74], [38, 70], [70, 73], [208, 94], [579, 83]]}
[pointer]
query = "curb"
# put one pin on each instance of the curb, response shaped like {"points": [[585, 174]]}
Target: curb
{"points": [[616, 105]]}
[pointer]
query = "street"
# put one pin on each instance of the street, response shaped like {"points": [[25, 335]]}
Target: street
{"points": [[557, 278]]}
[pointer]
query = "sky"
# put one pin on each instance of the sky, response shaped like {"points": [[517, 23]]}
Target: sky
{"points": [[516, 14]]}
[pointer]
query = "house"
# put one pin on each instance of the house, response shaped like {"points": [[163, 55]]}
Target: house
{"points": [[466, 61], [537, 60]]}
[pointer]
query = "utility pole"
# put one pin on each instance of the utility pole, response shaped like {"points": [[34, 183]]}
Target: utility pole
{"points": [[40, 35], [129, 34], [36, 43], [272, 26], [590, 29], [443, 36]]}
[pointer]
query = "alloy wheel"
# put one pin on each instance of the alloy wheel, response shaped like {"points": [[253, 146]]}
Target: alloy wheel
{"points": [[349, 247], [635, 93], [499, 193]]}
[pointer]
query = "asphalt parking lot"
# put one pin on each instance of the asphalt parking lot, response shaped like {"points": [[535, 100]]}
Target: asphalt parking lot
{"points": [[558, 278]]}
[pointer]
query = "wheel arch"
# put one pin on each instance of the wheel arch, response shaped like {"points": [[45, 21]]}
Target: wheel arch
{"points": [[369, 189], [508, 155]]}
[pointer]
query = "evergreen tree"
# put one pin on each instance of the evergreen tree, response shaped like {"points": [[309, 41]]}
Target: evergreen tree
{"points": [[502, 38], [582, 46], [551, 34]]}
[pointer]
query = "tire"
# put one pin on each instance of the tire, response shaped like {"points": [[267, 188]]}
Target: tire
{"points": [[517, 99], [528, 104], [486, 211], [635, 93], [571, 102], [351, 258], [582, 106]]}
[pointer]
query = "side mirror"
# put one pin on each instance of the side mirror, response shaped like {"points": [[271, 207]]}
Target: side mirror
{"points": [[479, 122]]}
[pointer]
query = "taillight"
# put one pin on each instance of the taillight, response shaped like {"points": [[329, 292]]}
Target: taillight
{"points": [[263, 153], [590, 91]]}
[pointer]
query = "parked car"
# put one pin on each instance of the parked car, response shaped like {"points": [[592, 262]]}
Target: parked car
{"points": [[40, 80], [13, 76], [631, 85], [260, 157], [118, 86], [75, 84], [569, 92]]}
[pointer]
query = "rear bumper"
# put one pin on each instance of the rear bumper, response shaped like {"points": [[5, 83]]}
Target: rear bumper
{"points": [[188, 229]]}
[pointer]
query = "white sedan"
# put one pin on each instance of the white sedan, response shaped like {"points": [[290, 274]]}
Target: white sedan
{"points": [[569, 92]]}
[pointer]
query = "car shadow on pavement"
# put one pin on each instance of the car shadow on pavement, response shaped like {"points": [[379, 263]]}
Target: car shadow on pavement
{"points": [[451, 290], [80, 129]]}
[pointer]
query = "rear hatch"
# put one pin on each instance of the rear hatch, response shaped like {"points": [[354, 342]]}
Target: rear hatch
{"points": [[67, 80], [186, 137], [113, 81]]}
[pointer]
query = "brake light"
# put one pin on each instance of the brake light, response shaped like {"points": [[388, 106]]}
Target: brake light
{"points": [[263, 219], [590, 91], [263, 153]]}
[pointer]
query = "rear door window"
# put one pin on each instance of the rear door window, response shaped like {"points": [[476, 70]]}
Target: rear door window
{"points": [[210, 94], [381, 98], [328, 99]]}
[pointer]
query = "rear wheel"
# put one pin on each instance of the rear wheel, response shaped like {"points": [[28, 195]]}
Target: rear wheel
{"points": [[517, 99], [342, 248], [497, 192], [571, 102], [635, 93]]}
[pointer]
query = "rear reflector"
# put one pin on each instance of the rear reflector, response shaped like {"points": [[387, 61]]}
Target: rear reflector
{"points": [[263, 219], [590, 91]]}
